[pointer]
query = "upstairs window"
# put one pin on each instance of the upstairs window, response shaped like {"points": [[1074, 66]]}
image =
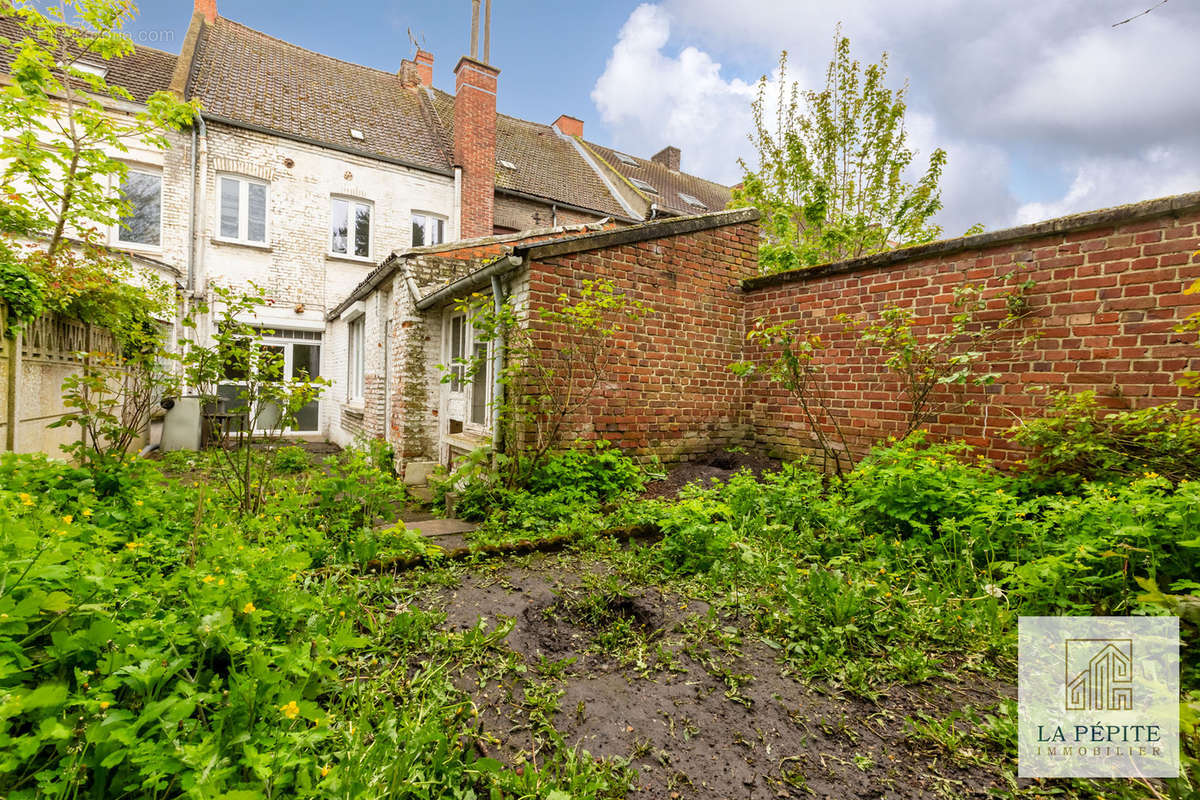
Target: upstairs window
{"points": [[141, 224], [350, 227], [243, 216], [428, 230]]}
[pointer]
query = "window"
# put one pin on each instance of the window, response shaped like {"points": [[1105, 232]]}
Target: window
{"points": [[142, 224], [428, 230], [692, 201], [458, 336], [624, 159], [354, 358], [350, 227], [243, 216], [479, 385]]}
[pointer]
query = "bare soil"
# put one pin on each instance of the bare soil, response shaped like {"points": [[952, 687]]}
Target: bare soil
{"points": [[718, 466], [702, 709]]}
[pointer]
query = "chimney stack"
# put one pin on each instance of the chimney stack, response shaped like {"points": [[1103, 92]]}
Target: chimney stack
{"points": [[475, 86], [570, 126], [419, 71], [208, 8], [668, 157]]}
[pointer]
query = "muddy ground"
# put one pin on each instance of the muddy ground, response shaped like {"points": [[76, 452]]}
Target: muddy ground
{"points": [[717, 466], [701, 709]]}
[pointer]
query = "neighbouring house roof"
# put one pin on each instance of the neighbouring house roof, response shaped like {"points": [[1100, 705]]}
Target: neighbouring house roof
{"points": [[545, 165], [245, 76], [674, 190], [142, 73]]}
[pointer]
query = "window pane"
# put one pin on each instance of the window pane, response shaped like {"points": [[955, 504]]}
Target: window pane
{"points": [[306, 360], [479, 385], [338, 225], [456, 353], [439, 231], [256, 220], [143, 193], [418, 238], [362, 230], [229, 208]]}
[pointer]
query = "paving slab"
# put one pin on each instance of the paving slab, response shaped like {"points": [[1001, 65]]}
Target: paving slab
{"points": [[435, 528]]}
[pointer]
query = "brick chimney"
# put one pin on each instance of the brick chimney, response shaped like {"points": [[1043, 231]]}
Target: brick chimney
{"points": [[208, 8], [475, 143], [570, 126], [419, 71], [668, 157]]}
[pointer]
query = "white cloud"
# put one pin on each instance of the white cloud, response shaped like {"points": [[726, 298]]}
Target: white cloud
{"points": [[1089, 115], [1103, 182], [652, 99]]}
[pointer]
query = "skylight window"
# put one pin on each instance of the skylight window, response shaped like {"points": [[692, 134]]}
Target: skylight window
{"points": [[643, 185], [91, 69], [355, 133], [507, 164], [624, 159], [692, 201]]}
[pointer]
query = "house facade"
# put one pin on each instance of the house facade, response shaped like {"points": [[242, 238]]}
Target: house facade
{"points": [[304, 195]]}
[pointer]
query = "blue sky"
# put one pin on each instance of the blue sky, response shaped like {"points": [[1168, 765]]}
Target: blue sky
{"points": [[1044, 107]]}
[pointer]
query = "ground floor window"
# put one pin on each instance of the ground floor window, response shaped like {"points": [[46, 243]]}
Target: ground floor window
{"points": [[301, 353], [468, 393]]}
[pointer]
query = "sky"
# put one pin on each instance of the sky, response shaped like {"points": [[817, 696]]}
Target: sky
{"points": [[1044, 107]]}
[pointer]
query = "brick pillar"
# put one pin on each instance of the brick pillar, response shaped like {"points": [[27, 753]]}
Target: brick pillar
{"points": [[475, 143], [668, 157]]}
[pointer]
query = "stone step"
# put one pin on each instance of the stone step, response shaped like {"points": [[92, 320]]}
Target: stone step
{"points": [[435, 528]]}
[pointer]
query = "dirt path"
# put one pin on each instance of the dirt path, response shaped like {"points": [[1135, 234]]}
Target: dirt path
{"points": [[702, 710]]}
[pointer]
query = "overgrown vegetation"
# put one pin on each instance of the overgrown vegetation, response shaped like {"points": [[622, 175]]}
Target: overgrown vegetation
{"points": [[831, 174]]}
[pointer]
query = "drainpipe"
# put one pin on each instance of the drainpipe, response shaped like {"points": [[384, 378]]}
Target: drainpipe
{"points": [[199, 130], [497, 366]]}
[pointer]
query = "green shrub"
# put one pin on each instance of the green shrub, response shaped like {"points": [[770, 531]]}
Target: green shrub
{"points": [[1080, 440], [912, 486], [292, 459], [598, 470]]}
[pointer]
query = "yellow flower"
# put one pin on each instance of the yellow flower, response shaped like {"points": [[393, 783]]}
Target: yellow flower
{"points": [[138, 502], [67, 519], [87, 512], [208, 579], [104, 704], [221, 582], [290, 709], [25, 498], [324, 771], [133, 545], [249, 609]]}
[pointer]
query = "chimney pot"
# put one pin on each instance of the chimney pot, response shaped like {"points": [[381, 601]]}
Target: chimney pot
{"points": [[208, 8], [668, 157], [570, 126]]}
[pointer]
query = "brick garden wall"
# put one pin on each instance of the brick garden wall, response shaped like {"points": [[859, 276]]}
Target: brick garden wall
{"points": [[1108, 296], [669, 391]]}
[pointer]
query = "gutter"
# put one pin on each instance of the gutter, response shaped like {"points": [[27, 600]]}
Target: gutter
{"points": [[191, 262], [568, 206], [469, 283]]}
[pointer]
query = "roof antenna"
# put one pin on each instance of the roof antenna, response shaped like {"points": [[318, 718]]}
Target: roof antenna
{"points": [[413, 41], [475, 29]]}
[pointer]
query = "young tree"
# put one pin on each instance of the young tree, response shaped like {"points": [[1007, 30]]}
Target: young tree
{"points": [[832, 165], [61, 157]]}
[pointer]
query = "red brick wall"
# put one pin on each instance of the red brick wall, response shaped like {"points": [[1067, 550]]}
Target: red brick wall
{"points": [[1105, 304], [475, 143], [669, 390]]}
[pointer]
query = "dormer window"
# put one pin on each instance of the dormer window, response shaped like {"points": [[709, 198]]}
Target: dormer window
{"points": [[643, 185]]}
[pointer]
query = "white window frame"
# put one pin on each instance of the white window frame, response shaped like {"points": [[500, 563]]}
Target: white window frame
{"points": [[244, 210], [426, 217], [351, 204], [466, 387], [356, 338], [116, 231]]}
